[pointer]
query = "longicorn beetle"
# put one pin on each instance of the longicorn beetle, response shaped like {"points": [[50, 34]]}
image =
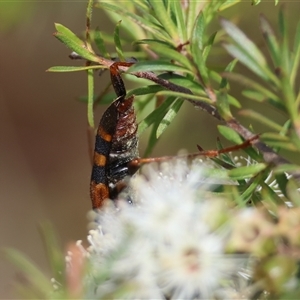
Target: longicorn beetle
{"points": [[116, 143], [116, 152]]}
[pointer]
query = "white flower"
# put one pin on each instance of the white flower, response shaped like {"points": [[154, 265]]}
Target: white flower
{"points": [[193, 266], [170, 243]]}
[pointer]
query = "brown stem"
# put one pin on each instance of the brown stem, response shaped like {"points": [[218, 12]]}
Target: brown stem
{"points": [[177, 88], [268, 154]]}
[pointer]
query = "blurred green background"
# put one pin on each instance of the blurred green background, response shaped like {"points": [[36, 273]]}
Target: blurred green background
{"points": [[45, 167]]}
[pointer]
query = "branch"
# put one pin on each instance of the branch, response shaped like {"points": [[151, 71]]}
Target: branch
{"points": [[268, 153]]}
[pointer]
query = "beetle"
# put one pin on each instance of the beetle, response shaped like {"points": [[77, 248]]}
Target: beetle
{"points": [[116, 144]]}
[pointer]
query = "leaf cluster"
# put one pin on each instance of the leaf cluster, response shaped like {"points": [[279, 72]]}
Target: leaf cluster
{"points": [[171, 40]]}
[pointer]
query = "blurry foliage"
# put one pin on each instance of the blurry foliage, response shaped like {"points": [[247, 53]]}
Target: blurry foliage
{"points": [[13, 13], [170, 39]]}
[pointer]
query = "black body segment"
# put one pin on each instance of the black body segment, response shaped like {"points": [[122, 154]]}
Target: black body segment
{"points": [[116, 144]]}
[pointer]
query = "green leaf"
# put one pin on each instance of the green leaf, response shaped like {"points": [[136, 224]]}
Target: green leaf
{"points": [[180, 22], [230, 134], [277, 140], [286, 127], [246, 172], [244, 43], [35, 277], [268, 194], [225, 156], [228, 3], [186, 82], [152, 140], [163, 16], [293, 192], [255, 2], [234, 137], [224, 161], [254, 95], [217, 176], [154, 43], [245, 59], [267, 136], [282, 181], [63, 69], [296, 56], [233, 101], [235, 194], [297, 100], [183, 96], [271, 40], [156, 29], [157, 65], [191, 15], [90, 111], [140, 6], [100, 44], [197, 35], [149, 89], [208, 46], [223, 106], [254, 115], [289, 97], [78, 48], [156, 115], [118, 42], [107, 37], [286, 64], [247, 52], [197, 47], [288, 168], [229, 68], [272, 98], [295, 136], [133, 30], [66, 32], [166, 51], [247, 194], [155, 118], [168, 118]]}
